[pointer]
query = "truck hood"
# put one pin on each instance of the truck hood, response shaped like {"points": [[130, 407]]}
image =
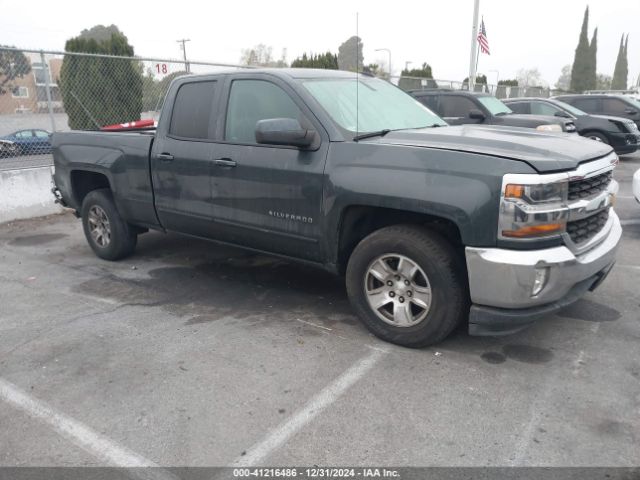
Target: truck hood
{"points": [[546, 152]]}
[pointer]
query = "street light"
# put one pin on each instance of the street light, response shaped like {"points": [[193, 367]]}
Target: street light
{"points": [[389, 52], [406, 65]]}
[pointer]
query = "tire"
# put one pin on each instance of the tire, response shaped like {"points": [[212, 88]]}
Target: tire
{"points": [[598, 137], [444, 275], [108, 235]]}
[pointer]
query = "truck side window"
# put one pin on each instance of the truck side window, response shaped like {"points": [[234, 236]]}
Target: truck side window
{"points": [[541, 108], [429, 101], [454, 106], [589, 105], [253, 100], [519, 107], [192, 110], [613, 106]]}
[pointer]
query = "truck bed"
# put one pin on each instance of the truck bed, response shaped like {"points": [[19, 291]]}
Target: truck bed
{"points": [[119, 158]]}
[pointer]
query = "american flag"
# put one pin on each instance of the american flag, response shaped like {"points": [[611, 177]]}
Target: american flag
{"points": [[482, 39]]}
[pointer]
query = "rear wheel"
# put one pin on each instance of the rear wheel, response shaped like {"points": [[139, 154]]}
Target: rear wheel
{"points": [[407, 285], [108, 235]]}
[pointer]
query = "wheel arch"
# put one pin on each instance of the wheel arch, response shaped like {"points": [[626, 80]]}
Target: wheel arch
{"points": [[358, 221]]}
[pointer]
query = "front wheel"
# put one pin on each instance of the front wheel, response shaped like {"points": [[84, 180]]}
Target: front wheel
{"points": [[407, 285], [598, 137], [108, 235]]}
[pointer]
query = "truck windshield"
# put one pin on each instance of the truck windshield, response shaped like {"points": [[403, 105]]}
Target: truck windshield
{"points": [[380, 105], [495, 106]]}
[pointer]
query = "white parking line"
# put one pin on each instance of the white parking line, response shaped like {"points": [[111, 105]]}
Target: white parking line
{"points": [[91, 442], [313, 408]]}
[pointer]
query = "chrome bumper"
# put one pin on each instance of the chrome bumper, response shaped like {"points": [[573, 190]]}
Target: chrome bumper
{"points": [[505, 278]]}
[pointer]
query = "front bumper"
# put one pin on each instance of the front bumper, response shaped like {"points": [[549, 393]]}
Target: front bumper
{"points": [[501, 281], [624, 143]]}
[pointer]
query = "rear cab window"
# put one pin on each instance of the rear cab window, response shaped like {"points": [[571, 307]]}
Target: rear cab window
{"points": [[193, 110]]}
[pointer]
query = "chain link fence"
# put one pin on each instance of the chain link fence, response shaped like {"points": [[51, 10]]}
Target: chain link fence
{"points": [[499, 91], [46, 91]]}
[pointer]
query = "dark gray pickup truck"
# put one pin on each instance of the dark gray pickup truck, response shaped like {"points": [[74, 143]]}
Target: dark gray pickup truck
{"points": [[432, 225]]}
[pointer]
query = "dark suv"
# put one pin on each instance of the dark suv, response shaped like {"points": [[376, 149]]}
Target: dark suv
{"points": [[621, 133], [616, 105], [458, 107]]}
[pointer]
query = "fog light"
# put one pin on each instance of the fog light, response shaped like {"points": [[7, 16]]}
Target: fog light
{"points": [[542, 275]]}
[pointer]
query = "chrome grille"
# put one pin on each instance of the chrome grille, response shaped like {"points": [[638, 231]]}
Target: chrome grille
{"points": [[582, 230], [589, 186]]}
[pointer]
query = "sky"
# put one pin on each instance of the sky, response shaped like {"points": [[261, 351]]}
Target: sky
{"points": [[540, 34]]}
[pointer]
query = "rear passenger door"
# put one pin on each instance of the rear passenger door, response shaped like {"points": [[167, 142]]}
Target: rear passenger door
{"points": [[267, 197], [182, 159]]}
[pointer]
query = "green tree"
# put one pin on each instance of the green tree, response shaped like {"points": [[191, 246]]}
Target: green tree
{"points": [[508, 83], [564, 80], [13, 65], [592, 78], [621, 70], [603, 82], [154, 90], [328, 61], [350, 55], [583, 71], [99, 91], [414, 79], [261, 55]]}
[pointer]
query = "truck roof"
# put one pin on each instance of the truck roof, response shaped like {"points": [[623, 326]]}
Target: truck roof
{"points": [[296, 73]]}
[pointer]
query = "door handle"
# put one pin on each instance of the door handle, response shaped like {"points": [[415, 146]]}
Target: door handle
{"points": [[165, 157], [225, 162]]}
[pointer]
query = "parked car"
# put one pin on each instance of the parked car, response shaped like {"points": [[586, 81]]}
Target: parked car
{"points": [[622, 134], [8, 148], [636, 185], [458, 107], [616, 105], [431, 226], [29, 142]]}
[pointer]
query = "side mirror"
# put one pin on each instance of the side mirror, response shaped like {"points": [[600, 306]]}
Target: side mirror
{"points": [[562, 114], [631, 111], [283, 131], [476, 115]]}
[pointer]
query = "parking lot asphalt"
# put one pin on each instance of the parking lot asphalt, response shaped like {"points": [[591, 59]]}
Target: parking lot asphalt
{"points": [[189, 353]]}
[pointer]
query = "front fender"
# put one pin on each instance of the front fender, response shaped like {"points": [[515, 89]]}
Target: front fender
{"points": [[461, 187]]}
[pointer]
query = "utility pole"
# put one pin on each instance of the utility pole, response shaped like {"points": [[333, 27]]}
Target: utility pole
{"points": [[474, 46], [183, 41]]}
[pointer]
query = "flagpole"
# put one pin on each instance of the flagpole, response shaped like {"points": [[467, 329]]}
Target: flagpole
{"points": [[476, 69], [473, 57]]}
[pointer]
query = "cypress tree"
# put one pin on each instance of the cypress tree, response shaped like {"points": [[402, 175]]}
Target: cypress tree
{"points": [[591, 80], [620, 72], [580, 71]]}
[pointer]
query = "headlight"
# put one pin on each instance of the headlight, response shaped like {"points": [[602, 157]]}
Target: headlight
{"points": [[549, 128], [533, 206]]}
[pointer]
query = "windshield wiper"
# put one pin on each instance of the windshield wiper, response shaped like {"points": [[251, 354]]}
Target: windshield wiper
{"points": [[379, 133]]}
